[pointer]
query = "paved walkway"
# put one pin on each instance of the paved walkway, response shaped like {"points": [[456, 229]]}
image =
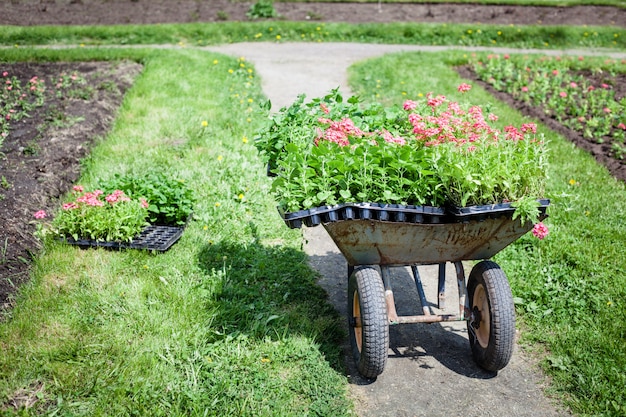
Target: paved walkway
{"points": [[430, 371]]}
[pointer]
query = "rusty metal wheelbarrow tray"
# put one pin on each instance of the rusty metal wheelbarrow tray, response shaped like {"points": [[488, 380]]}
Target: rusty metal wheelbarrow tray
{"points": [[372, 242]]}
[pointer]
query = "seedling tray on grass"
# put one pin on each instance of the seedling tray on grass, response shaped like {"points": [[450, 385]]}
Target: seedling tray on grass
{"points": [[156, 238]]}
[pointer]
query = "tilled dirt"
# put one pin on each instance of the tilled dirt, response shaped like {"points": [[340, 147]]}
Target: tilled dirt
{"points": [[111, 12]]}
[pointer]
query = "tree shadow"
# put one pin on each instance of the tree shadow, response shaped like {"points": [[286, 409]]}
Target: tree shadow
{"points": [[265, 291]]}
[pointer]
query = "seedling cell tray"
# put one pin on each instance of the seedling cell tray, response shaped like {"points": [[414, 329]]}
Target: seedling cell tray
{"points": [[400, 213], [154, 237]]}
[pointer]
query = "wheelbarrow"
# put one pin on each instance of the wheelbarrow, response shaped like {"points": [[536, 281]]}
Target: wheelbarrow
{"points": [[375, 238]]}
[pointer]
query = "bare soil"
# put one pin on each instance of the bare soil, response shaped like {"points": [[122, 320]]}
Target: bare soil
{"points": [[110, 12], [40, 160]]}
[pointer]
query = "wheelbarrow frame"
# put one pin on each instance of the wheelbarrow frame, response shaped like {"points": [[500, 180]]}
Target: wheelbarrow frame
{"points": [[372, 246]]}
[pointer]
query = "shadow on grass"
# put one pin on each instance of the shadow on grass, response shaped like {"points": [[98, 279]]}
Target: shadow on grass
{"points": [[271, 292]]}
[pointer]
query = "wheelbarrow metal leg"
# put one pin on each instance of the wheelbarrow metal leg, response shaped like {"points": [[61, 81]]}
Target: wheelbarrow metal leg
{"points": [[392, 315], [464, 309], [441, 300], [420, 290]]}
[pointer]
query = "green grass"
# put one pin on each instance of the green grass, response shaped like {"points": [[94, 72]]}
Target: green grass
{"points": [[229, 321], [198, 34], [570, 288]]}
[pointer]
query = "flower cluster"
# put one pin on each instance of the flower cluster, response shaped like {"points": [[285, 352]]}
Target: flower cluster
{"points": [[564, 88], [99, 216], [431, 151]]}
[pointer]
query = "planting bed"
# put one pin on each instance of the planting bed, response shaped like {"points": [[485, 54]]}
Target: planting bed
{"points": [[37, 171]]}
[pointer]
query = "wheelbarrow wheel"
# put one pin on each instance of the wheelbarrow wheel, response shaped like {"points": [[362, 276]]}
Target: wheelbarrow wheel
{"points": [[368, 323], [491, 326]]}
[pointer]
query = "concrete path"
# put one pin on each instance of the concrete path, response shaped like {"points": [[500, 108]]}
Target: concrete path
{"points": [[430, 371]]}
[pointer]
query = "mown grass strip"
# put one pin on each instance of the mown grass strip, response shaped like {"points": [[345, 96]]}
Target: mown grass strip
{"points": [[570, 287], [229, 321], [543, 37]]}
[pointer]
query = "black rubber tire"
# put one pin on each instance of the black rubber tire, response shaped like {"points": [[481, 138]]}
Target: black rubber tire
{"points": [[491, 326], [368, 323]]}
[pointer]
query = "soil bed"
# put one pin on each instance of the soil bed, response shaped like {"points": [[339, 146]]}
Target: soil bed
{"points": [[101, 12], [40, 159]]}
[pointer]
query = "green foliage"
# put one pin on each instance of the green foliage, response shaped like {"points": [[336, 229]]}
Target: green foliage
{"points": [[572, 90], [262, 9], [171, 200], [431, 152]]}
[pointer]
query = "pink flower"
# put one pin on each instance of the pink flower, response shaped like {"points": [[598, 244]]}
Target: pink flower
{"points": [[324, 108], [492, 117], [563, 94], [573, 85], [41, 214], [622, 126], [506, 56], [555, 72], [144, 203], [409, 105], [607, 110], [525, 89], [540, 231], [605, 86], [5, 74], [70, 206], [529, 127], [389, 138], [78, 188], [466, 87], [591, 88]]}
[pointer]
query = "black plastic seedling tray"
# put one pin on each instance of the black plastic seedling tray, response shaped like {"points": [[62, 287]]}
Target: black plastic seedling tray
{"points": [[155, 238], [400, 213]]}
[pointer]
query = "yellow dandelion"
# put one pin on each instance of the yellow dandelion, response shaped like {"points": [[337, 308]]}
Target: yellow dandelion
{"points": [[609, 303], [499, 33], [205, 123], [265, 360], [248, 120], [220, 157], [277, 37], [469, 31], [258, 35], [145, 267], [82, 45], [572, 182], [420, 95], [218, 204], [244, 140], [230, 71], [215, 62], [249, 70], [240, 196], [205, 227], [250, 100]]}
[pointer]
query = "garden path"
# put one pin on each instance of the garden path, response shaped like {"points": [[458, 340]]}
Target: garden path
{"points": [[430, 370]]}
